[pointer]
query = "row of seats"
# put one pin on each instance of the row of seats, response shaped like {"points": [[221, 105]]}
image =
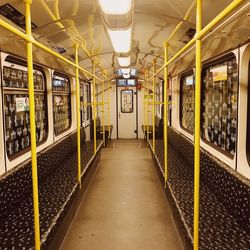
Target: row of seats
{"points": [[158, 129], [99, 131], [57, 178], [224, 196]]}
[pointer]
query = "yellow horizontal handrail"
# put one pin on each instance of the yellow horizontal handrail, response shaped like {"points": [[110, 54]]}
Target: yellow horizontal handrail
{"points": [[32, 40], [92, 103], [201, 34]]}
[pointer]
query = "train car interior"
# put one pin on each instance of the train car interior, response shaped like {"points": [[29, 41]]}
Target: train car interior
{"points": [[125, 124]]}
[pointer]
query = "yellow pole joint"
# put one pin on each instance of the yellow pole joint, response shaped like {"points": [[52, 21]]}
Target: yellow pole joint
{"points": [[153, 111], [78, 116], [32, 126], [28, 1], [197, 125], [165, 114]]}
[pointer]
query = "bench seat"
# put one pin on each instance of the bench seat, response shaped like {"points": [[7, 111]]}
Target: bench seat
{"points": [[57, 168], [224, 215]]}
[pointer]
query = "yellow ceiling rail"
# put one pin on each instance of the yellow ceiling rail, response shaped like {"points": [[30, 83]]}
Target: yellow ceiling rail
{"points": [[56, 19], [32, 40], [202, 33], [180, 23]]}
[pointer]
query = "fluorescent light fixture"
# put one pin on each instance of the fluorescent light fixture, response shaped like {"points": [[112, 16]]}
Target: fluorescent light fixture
{"points": [[123, 61], [115, 7], [121, 40], [126, 76], [125, 71]]}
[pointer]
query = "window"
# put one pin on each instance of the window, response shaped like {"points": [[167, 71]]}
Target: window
{"points": [[187, 94], [126, 82], [219, 117], [85, 98], [127, 101], [16, 108], [248, 116], [61, 103]]}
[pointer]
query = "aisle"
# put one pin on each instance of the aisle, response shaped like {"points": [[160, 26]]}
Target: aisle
{"points": [[125, 207]]}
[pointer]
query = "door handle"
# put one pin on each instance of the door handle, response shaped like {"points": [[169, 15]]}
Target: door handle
{"points": [[119, 115]]}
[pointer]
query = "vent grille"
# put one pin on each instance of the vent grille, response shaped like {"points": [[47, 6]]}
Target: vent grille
{"points": [[14, 15], [58, 37]]}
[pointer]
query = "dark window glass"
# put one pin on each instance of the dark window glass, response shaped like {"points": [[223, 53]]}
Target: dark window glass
{"points": [[61, 103], [16, 109], [248, 116], [219, 118], [187, 94], [127, 101], [85, 99]]}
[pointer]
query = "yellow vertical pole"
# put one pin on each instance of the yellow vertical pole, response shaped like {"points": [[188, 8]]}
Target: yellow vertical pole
{"points": [[32, 125], [78, 116], [103, 117], [109, 107], [197, 125], [165, 114], [153, 106], [147, 108], [94, 107], [144, 104]]}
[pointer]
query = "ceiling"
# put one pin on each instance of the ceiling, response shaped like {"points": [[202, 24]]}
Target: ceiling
{"points": [[61, 24]]}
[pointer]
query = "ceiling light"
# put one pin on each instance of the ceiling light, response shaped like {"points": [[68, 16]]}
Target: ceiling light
{"points": [[115, 7], [125, 71], [123, 61], [121, 40], [126, 76]]}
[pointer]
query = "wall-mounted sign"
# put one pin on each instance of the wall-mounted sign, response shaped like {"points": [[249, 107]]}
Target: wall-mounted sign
{"points": [[22, 104], [219, 73]]}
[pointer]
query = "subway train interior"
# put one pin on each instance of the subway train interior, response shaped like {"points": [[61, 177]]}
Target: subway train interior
{"points": [[125, 124]]}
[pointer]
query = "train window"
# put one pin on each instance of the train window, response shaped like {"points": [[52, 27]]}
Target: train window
{"points": [[248, 116], [187, 93], [127, 101], [85, 99], [61, 103], [16, 109], [82, 106], [219, 115], [158, 98], [88, 100]]}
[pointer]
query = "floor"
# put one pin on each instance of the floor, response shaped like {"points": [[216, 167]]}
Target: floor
{"points": [[125, 206]]}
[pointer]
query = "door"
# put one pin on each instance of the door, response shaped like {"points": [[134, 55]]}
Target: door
{"points": [[127, 113]]}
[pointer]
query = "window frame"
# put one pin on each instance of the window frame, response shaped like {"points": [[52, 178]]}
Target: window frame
{"points": [[61, 93], [131, 90], [184, 75], [16, 63], [248, 118], [214, 62]]}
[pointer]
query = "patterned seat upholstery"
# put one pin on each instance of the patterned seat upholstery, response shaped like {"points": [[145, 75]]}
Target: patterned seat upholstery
{"points": [[224, 197], [57, 172]]}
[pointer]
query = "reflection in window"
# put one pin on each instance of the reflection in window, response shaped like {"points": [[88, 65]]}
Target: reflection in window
{"points": [[187, 102], [220, 84], [127, 101], [16, 109], [61, 104]]}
